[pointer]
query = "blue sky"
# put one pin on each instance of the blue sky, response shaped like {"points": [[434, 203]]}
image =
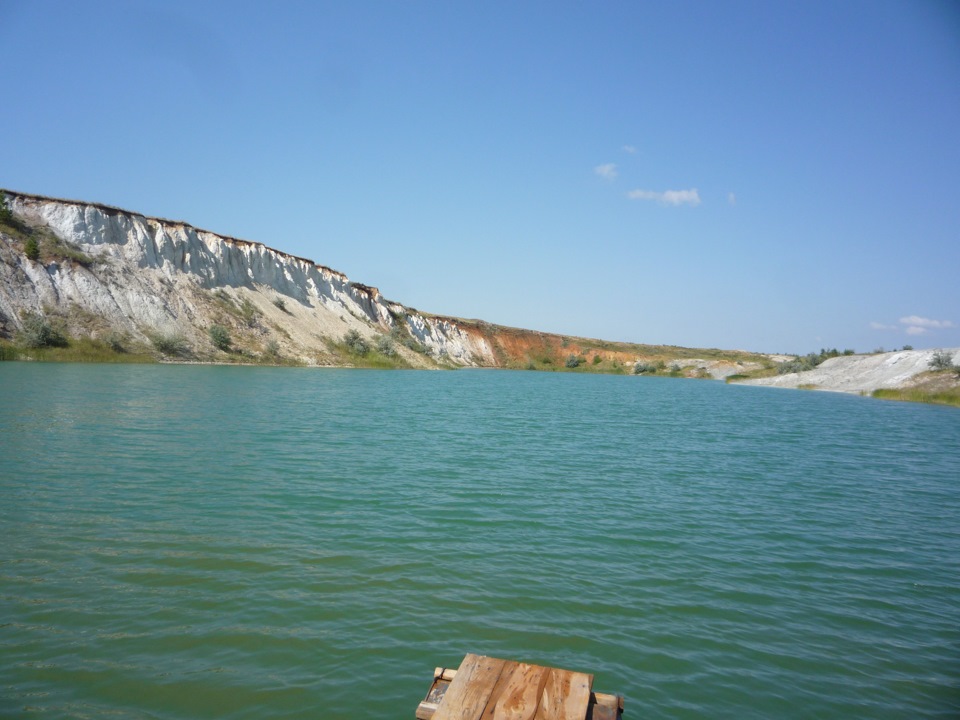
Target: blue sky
{"points": [[772, 176]]}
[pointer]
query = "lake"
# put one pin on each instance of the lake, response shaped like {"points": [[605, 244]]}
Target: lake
{"points": [[192, 542]]}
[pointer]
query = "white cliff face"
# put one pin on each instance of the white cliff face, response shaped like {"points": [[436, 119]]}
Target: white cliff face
{"points": [[450, 340], [153, 275]]}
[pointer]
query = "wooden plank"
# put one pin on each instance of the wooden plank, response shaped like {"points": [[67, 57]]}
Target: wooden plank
{"points": [[444, 673], [565, 696], [507, 690], [598, 698], [521, 694], [470, 689], [508, 667], [425, 711], [607, 700]]}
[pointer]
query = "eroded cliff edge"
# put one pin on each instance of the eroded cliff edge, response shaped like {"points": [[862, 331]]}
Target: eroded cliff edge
{"points": [[122, 271]]}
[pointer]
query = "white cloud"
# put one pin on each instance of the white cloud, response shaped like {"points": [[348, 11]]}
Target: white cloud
{"points": [[630, 149], [915, 325], [608, 171], [921, 322], [732, 198], [667, 197]]}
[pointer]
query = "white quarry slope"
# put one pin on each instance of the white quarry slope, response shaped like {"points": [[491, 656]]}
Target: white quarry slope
{"points": [[860, 373], [151, 275]]}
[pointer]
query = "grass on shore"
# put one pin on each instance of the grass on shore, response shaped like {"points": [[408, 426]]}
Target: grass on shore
{"points": [[937, 387], [86, 350], [93, 350], [375, 360], [176, 349], [922, 395]]}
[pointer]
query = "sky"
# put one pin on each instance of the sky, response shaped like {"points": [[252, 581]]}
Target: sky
{"points": [[767, 176]]}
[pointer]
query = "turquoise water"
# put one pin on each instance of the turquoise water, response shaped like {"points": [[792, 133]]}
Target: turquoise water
{"points": [[228, 542]]}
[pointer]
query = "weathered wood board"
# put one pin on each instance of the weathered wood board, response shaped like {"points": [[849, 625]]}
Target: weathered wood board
{"points": [[470, 691], [564, 694], [486, 688]]}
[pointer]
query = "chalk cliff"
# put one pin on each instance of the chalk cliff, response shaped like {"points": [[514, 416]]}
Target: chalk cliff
{"points": [[110, 270]]}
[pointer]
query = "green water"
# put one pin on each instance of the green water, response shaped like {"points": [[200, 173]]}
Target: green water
{"points": [[224, 542]]}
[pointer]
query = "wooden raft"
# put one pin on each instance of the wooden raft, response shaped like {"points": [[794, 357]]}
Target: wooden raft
{"points": [[486, 688]]}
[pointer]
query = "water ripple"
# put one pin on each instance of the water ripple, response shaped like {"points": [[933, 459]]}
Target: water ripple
{"points": [[244, 542]]}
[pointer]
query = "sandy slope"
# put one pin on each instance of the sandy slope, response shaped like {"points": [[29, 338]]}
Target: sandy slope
{"points": [[860, 373]]}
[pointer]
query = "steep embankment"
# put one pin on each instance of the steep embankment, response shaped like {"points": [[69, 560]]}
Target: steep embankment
{"points": [[97, 271], [103, 270], [862, 373]]}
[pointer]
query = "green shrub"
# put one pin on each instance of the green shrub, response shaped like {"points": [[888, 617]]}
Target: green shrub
{"points": [[641, 368], [31, 248], [811, 360], [412, 343], [272, 348], [355, 343], [38, 333], [572, 361], [385, 346], [808, 361], [249, 312], [6, 216], [169, 343], [220, 337], [941, 360], [280, 303], [400, 327], [401, 333], [596, 359], [117, 341], [789, 366], [799, 364], [57, 249]]}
